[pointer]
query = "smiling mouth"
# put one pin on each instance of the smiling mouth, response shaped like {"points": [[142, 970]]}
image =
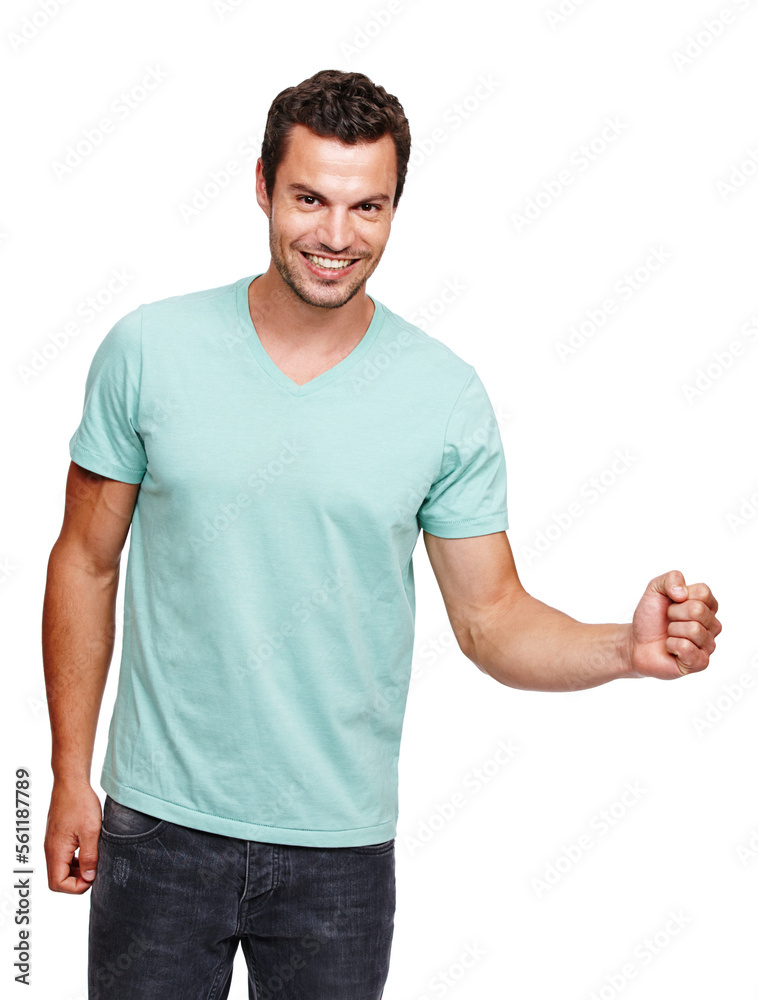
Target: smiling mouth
{"points": [[329, 263]]}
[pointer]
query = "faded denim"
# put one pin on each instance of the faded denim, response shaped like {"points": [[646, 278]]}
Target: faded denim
{"points": [[170, 904]]}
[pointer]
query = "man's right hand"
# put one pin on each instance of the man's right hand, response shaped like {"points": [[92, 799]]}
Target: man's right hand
{"points": [[73, 821]]}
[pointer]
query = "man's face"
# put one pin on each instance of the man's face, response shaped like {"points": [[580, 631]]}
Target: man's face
{"points": [[333, 202]]}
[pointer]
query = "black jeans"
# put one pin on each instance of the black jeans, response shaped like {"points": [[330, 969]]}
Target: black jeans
{"points": [[170, 904]]}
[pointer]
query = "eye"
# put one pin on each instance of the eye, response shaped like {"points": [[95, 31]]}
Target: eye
{"points": [[368, 206], [308, 199]]}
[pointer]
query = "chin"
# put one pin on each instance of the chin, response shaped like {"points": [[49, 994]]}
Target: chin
{"points": [[327, 301]]}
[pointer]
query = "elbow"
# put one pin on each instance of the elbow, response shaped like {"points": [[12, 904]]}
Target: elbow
{"points": [[467, 646], [71, 556], [487, 640]]}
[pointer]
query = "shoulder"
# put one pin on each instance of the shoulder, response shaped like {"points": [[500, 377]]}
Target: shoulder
{"points": [[176, 312], [422, 352], [176, 307], [123, 341]]}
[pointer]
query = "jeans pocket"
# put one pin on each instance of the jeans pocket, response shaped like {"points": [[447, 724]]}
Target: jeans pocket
{"points": [[384, 848], [124, 824]]}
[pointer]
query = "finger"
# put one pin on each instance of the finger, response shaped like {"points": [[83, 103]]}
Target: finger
{"points": [[81, 884], [61, 878], [702, 592], [690, 659], [695, 632], [671, 585], [693, 611], [88, 855]]}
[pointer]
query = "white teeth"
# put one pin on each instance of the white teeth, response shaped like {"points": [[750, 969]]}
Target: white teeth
{"points": [[335, 265]]}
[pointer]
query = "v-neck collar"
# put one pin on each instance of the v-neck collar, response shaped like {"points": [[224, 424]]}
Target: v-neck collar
{"points": [[250, 334]]}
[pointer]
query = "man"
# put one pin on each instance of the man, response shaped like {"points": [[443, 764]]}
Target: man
{"points": [[276, 445]]}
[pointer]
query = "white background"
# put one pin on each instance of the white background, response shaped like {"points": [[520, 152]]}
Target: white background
{"points": [[686, 123]]}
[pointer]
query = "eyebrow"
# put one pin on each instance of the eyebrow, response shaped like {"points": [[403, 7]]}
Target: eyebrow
{"points": [[308, 190]]}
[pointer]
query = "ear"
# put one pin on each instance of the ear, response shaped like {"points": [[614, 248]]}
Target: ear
{"points": [[260, 188]]}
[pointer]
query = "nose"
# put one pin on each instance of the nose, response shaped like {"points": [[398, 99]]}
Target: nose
{"points": [[335, 230]]}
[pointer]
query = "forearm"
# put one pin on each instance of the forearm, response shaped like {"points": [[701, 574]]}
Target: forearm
{"points": [[78, 628], [529, 645]]}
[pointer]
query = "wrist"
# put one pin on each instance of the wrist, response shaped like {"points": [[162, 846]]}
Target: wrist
{"points": [[68, 775], [626, 652]]}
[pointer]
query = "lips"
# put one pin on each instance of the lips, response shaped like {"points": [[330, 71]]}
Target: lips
{"points": [[333, 263], [328, 267]]}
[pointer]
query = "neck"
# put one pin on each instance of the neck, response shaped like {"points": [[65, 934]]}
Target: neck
{"points": [[280, 315]]}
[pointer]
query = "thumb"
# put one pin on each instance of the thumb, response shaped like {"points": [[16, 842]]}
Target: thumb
{"points": [[88, 857], [671, 585]]}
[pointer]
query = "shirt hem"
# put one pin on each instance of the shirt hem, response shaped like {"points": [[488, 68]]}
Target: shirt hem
{"points": [[102, 466], [226, 826], [468, 527]]}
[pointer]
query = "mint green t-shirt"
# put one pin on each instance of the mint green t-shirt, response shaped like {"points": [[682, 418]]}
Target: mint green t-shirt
{"points": [[269, 599]]}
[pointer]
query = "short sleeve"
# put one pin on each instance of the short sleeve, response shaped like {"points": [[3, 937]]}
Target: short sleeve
{"points": [[107, 440], [468, 497]]}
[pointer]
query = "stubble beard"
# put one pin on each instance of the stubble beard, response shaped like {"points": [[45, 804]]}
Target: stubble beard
{"points": [[300, 286]]}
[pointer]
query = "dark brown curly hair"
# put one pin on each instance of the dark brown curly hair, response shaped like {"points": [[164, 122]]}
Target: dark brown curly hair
{"points": [[336, 105]]}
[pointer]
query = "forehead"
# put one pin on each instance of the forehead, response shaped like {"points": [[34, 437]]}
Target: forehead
{"points": [[327, 162]]}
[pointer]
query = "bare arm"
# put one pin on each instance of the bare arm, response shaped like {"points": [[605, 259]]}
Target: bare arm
{"points": [[524, 643], [78, 630]]}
